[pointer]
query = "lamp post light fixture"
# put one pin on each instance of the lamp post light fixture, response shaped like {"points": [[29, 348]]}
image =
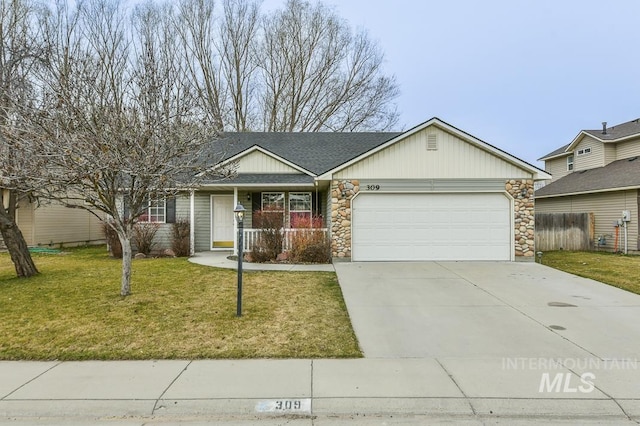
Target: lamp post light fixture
{"points": [[239, 214]]}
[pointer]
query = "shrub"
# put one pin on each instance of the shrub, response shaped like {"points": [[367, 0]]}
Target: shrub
{"points": [[309, 244], [143, 235], [180, 238], [113, 242], [269, 244]]}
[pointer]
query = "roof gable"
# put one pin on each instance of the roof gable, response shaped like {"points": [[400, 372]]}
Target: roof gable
{"points": [[613, 134], [502, 163], [256, 160]]}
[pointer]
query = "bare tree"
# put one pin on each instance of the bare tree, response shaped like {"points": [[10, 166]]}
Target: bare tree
{"points": [[116, 126], [238, 52], [113, 106], [297, 69], [19, 40], [319, 76], [195, 25]]}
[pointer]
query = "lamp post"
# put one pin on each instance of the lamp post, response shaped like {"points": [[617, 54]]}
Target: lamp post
{"points": [[239, 214]]}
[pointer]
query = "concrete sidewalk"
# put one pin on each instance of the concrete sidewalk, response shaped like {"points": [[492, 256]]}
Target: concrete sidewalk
{"points": [[220, 259], [326, 391]]}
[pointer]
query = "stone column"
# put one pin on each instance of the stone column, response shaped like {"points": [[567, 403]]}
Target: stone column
{"points": [[342, 191], [524, 221]]}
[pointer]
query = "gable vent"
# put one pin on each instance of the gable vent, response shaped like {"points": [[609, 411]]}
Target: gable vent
{"points": [[432, 142]]}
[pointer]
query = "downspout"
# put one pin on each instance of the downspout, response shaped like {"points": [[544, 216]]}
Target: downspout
{"points": [[316, 182], [192, 224]]}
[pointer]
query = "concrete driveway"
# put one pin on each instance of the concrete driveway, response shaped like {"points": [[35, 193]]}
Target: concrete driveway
{"points": [[519, 339], [487, 310]]}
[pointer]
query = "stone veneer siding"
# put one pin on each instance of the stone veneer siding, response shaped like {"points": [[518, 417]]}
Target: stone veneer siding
{"points": [[524, 222], [341, 216]]}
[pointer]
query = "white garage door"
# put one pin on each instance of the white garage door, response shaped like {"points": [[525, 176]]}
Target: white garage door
{"points": [[431, 227]]}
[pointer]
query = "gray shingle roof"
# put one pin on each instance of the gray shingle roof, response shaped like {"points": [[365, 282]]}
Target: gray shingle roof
{"points": [[260, 178], [614, 133], [619, 174], [618, 131], [316, 152], [556, 152]]}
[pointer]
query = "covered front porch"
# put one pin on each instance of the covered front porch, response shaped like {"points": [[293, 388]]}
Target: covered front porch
{"points": [[301, 200]]}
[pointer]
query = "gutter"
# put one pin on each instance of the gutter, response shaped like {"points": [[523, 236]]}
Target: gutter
{"points": [[586, 192]]}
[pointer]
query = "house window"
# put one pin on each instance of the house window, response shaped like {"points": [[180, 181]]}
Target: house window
{"points": [[272, 215], [273, 201], [156, 210], [300, 209], [570, 163], [584, 151]]}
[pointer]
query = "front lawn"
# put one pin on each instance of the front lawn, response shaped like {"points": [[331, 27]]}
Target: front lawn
{"points": [[178, 310], [614, 269]]}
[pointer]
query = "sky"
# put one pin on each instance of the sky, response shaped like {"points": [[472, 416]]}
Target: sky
{"points": [[523, 75]]}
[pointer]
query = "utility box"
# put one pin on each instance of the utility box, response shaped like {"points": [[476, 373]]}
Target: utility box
{"points": [[626, 216]]}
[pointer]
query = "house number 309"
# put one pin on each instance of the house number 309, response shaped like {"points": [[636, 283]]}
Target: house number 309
{"points": [[288, 405], [373, 187]]}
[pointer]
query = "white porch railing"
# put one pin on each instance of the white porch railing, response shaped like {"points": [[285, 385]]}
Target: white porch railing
{"points": [[251, 236]]}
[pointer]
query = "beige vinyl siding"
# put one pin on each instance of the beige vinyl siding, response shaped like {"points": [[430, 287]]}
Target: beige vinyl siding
{"points": [[588, 161], [557, 168], [59, 225], [628, 149], [607, 208], [410, 159], [258, 162], [610, 152], [25, 220]]}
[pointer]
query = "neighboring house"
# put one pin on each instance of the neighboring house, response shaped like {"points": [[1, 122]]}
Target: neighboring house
{"points": [[53, 225], [598, 172], [433, 192]]}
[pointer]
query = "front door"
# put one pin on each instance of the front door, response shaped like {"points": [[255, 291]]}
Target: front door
{"points": [[222, 221]]}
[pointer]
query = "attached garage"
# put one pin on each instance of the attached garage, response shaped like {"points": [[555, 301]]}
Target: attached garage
{"points": [[431, 226], [433, 193]]}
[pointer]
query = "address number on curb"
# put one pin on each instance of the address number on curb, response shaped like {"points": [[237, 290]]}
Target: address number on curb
{"points": [[284, 406]]}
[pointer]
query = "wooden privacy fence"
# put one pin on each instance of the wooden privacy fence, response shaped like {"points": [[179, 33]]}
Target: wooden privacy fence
{"points": [[565, 231]]}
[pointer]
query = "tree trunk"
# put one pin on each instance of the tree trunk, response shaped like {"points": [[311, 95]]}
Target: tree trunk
{"points": [[14, 240], [125, 287]]}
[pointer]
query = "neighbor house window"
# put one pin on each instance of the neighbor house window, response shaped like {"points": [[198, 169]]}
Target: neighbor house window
{"points": [[570, 163], [156, 210], [584, 151], [300, 209]]}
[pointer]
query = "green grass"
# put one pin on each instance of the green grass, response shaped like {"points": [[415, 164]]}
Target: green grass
{"points": [[614, 269], [178, 310]]}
